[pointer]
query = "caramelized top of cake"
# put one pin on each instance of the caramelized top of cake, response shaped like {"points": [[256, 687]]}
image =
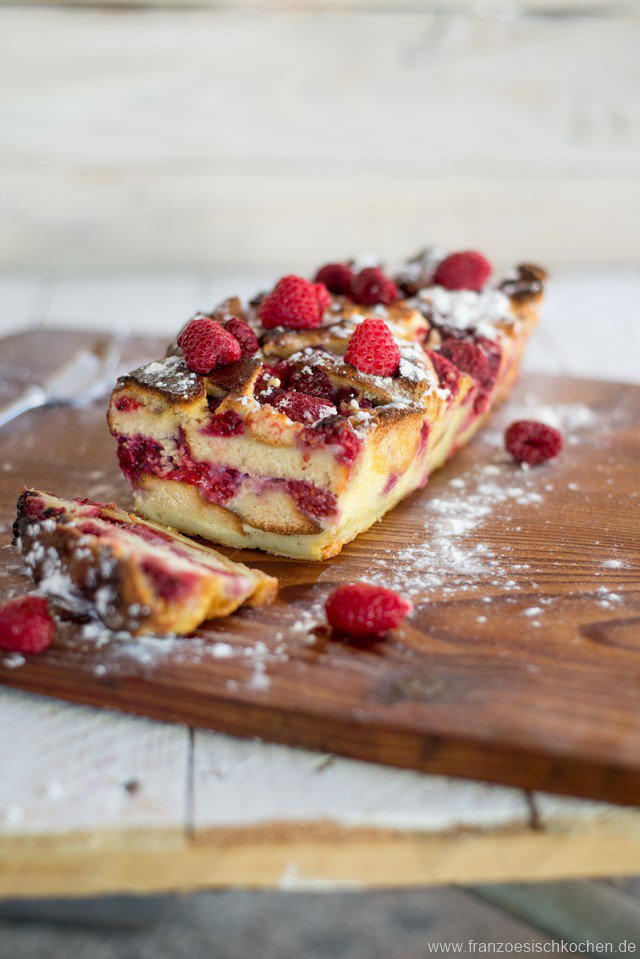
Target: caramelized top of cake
{"points": [[307, 357]]}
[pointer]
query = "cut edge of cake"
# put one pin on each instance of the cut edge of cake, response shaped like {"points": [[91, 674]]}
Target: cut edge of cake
{"points": [[136, 575], [228, 455]]}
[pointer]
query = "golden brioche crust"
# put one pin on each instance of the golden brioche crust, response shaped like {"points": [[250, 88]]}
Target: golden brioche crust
{"points": [[87, 555], [305, 489]]}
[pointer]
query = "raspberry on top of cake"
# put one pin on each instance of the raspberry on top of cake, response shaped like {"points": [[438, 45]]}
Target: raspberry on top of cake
{"points": [[293, 422]]}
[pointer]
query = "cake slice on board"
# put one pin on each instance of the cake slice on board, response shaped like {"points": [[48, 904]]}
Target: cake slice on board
{"points": [[135, 575]]}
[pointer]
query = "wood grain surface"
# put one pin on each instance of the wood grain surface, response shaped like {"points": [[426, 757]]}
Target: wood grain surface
{"points": [[520, 664]]}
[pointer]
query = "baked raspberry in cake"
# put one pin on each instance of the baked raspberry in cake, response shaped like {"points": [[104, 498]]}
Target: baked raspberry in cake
{"points": [[345, 398], [134, 575]]}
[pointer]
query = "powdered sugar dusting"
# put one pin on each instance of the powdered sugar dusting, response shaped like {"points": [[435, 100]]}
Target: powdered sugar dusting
{"points": [[446, 554], [468, 309], [12, 660], [170, 375], [253, 660]]}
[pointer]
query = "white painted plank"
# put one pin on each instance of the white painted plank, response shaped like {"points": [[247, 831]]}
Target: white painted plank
{"points": [[488, 8], [242, 283], [69, 768], [209, 92], [146, 140], [244, 783], [23, 301], [140, 223], [141, 304], [564, 814], [590, 326]]}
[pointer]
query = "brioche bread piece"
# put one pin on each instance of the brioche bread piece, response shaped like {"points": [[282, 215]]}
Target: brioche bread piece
{"points": [[296, 451], [137, 576]]}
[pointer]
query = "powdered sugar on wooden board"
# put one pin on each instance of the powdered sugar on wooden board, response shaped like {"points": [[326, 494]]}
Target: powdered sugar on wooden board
{"points": [[444, 555], [108, 654], [448, 554]]}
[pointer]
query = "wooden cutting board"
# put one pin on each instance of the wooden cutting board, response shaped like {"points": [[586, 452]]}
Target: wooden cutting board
{"points": [[520, 665]]}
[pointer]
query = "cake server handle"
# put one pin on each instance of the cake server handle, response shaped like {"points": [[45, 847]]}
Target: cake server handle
{"points": [[29, 399]]}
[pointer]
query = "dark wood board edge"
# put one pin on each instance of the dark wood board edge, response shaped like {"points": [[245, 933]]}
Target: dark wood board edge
{"points": [[457, 757]]}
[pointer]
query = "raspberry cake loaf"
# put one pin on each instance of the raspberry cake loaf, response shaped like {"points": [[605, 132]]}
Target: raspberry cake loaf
{"points": [[294, 422], [136, 576]]}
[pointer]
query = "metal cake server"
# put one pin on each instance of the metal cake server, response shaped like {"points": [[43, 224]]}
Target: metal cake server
{"points": [[86, 375]]}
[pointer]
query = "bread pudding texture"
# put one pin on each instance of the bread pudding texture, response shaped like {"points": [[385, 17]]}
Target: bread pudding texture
{"points": [[97, 559], [301, 443]]}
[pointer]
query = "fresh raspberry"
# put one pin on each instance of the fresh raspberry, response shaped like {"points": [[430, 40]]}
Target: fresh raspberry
{"points": [[311, 499], [323, 297], [228, 423], [463, 271], [531, 442], [206, 344], [313, 381], [337, 277], [469, 357], [361, 609], [372, 286], [448, 375], [334, 431], [372, 349], [293, 303], [301, 407], [243, 334], [26, 625]]}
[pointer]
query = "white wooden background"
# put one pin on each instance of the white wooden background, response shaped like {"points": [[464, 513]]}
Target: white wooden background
{"points": [[269, 136]]}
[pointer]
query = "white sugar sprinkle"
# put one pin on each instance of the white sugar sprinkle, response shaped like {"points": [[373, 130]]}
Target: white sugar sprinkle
{"points": [[13, 660], [222, 650]]}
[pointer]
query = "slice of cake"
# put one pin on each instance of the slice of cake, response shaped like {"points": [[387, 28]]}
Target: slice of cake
{"points": [[137, 576], [294, 422]]}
